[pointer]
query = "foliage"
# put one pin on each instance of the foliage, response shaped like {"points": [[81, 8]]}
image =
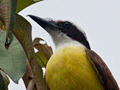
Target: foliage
{"points": [[44, 51], [17, 56], [12, 61]]}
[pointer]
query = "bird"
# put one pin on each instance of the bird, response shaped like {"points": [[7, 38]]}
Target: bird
{"points": [[74, 66]]}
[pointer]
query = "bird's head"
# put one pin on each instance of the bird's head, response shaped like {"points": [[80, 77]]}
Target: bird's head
{"points": [[62, 31]]}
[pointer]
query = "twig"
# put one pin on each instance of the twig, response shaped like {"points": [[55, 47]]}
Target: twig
{"points": [[28, 78]]}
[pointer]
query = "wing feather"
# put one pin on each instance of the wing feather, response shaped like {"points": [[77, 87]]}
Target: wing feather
{"points": [[103, 71]]}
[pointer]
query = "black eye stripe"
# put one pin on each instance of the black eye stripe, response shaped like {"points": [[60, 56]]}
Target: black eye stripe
{"points": [[73, 32]]}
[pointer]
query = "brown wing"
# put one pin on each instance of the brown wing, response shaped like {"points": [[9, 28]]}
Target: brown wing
{"points": [[104, 72]]}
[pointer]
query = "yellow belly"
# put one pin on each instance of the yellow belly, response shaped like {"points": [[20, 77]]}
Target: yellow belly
{"points": [[71, 69]]}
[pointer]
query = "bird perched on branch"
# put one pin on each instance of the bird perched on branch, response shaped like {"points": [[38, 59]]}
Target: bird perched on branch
{"points": [[74, 66]]}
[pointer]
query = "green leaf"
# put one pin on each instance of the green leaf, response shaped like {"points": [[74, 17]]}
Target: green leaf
{"points": [[2, 23], [13, 61], [44, 51], [21, 4], [9, 9], [41, 59], [43, 48], [22, 31]]}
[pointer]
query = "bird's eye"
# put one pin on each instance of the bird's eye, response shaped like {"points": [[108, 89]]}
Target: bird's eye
{"points": [[66, 24]]}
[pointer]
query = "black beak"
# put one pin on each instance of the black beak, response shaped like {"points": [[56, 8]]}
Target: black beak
{"points": [[42, 22]]}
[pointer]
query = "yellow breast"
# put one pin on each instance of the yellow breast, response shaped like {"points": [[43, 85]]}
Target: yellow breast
{"points": [[71, 69]]}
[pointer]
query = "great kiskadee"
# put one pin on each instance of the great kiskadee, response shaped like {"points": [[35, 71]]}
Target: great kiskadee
{"points": [[74, 66]]}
